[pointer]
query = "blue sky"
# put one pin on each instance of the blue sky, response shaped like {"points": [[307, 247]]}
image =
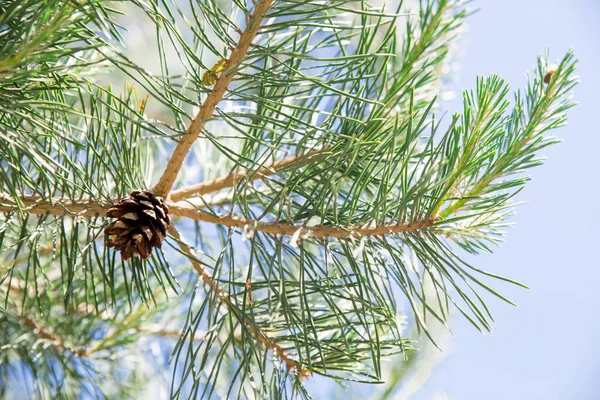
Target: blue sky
{"points": [[548, 347]]}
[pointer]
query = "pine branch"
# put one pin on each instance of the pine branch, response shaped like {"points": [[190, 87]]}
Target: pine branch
{"points": [[495, 173], [166, 181], [58, 207], [333, 76], [544, 113], [87, 208], [17, 287], [423, 43], [319, 231], [223, 296], [230, 180], [43, 333]]}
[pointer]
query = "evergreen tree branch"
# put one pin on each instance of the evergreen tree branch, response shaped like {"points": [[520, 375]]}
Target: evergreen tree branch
{"points": [[318, 231], [423, 43], [231, 179], [166, 181], [150, 329], [57, 207], [87, 208], [545, 111], [223, 296], [204, 275], [497, 171], [45, 334], [329, 104]]}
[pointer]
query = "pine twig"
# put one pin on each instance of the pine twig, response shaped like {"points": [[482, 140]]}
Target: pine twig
{"points": [[223, 296], [534, 121], [56, 340], [206, 278], [34, 205], [166, 181], [231, 179], [278, 228], [37, 205]]}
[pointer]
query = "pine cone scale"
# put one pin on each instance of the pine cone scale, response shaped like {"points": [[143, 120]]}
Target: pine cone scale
{"points": [[147, 233], [150, 213], [161, 214], [148, 204], [143, 220]]}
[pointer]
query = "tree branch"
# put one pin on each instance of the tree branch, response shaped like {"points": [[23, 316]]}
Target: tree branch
{"points": [[56, 340], [59, 342], [231, 179], [88, 208], [277, 228], [166, 181], [223, 296], [497, 172], [37, 205], [425, 40]]}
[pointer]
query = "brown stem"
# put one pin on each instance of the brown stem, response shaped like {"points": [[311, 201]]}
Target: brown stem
{"points": [[277, 228], [222, 295], [231, 179], [34, 205], [147, 329], [206, 278], [166, 181], [56, 340]]}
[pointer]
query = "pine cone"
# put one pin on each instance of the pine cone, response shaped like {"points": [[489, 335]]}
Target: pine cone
{"points": [[142, 223]]}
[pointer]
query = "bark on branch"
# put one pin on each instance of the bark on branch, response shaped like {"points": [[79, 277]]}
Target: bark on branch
{"points": [[35, 205], [277, 228], [223, 296], [231, 179], [166, 181], [56, 340]]}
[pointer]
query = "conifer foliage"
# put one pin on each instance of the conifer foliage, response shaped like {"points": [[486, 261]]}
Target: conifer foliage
{"points": [[266, 205]]}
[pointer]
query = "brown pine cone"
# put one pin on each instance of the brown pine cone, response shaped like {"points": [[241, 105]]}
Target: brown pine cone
{"points": [[142, 223]]}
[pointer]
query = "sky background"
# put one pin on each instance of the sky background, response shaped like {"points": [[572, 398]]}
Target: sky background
{"points": [[548, 347]]}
